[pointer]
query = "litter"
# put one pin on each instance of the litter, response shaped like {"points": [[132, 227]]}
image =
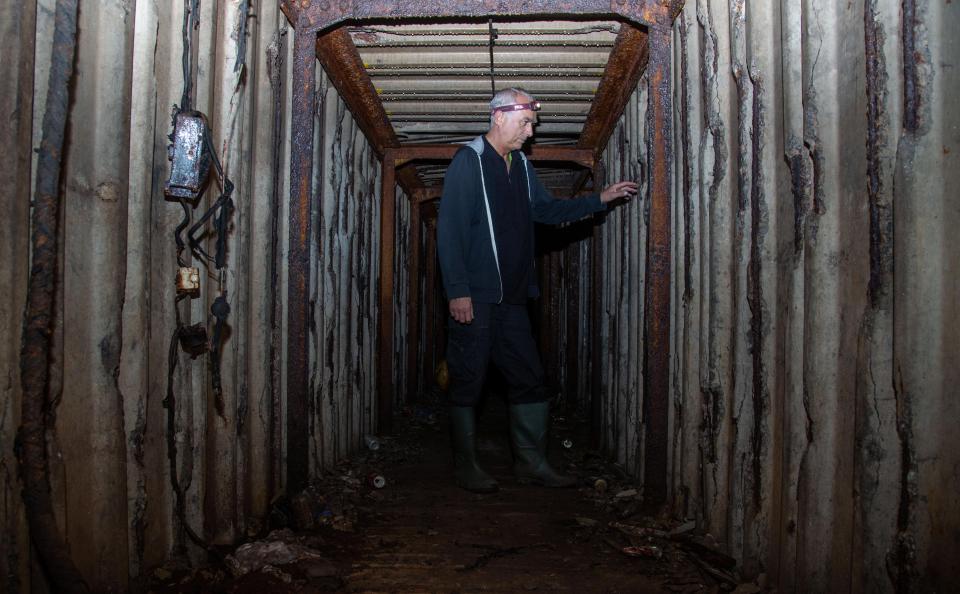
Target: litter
{"points": [[645, 551], [279, 548]]}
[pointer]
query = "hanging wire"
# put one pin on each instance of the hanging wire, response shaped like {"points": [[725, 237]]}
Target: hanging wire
{"points": [[493, 37], [190, 22], [223, 204]]}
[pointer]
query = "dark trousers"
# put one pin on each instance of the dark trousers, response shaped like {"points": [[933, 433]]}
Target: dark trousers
{"points": [[499, 333]]}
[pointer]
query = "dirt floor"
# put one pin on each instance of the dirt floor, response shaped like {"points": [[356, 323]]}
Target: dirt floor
{"points": [[420, 533]]}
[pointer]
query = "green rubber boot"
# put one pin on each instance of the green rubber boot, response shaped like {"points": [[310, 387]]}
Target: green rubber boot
{"points": [[467, 472], [528, 430]]}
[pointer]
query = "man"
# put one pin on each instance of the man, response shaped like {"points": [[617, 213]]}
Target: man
{"points": [[491, 200]]}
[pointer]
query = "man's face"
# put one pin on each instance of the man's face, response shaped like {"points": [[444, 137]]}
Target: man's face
{"points": [[517, 126]]}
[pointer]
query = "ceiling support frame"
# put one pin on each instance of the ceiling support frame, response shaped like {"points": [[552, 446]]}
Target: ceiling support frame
{"points": [[310, 17]]}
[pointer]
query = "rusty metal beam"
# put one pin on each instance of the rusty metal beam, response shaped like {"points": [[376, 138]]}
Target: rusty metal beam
{"points": [[657, 296], [442, 152], [387, 246], [427, 194], [409, 180], [627, 60], [298, 260], [315, 15], [341, 60]]}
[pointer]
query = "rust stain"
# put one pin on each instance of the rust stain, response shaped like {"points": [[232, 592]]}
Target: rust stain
{"points": [[881, 220], [755, 289], [799, 185], [686, 162], [902, 559], [911, 59], [35, 413]]}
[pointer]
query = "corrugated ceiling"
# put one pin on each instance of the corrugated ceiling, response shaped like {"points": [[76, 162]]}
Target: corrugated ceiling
{"points": [[434, 79]]}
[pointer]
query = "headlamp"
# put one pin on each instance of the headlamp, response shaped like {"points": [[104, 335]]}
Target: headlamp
{"points": [[532, 106]]}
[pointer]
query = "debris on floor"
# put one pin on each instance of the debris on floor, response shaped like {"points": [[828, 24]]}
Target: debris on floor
{"points": [[391, 519], [281, 547]]}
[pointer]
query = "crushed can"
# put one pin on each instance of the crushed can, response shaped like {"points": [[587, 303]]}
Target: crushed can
{"points": [[376, 480], [600, 485]]}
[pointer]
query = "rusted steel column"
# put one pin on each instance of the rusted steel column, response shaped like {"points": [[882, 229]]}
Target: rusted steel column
{"points": [[657, 298], [413, 302], [596, 315], [434, 327], [553, 345], [298, 293], [571, 255], [387, 241]]}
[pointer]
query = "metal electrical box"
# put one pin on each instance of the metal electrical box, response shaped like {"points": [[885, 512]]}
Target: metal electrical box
{"points": [[189, 155]]}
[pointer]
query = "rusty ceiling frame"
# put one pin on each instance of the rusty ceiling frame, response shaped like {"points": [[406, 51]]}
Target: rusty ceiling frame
{"points": [[340, 57], [445, 152], [312, 16], [627, 60]]}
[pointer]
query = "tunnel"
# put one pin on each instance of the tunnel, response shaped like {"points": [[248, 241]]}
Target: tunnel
{"points": [[227, 362]]}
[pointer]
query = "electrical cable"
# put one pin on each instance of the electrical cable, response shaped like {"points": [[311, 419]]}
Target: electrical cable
{"points": [[493, 37]]}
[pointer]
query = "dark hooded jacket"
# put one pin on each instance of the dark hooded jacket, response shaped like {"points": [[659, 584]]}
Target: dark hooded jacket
{"points": [[470, 260]]}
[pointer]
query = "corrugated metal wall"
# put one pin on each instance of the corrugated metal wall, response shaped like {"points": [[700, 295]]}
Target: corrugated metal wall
{"points": [[815, 330], [111, 478]]}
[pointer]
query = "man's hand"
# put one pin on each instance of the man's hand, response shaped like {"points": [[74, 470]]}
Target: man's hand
{"points": [[622, 190], [461, 309]]}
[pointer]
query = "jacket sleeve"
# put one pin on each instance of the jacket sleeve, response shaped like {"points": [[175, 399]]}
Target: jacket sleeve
{"points": [[454, 222], [549, 210]]}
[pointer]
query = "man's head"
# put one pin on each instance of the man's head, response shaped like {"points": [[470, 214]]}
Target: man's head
{"points": [[512, 116]]}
